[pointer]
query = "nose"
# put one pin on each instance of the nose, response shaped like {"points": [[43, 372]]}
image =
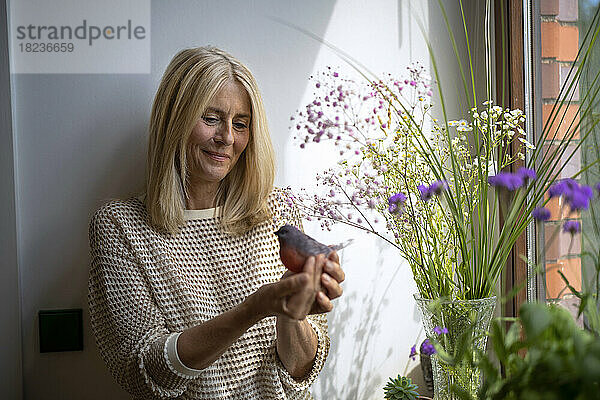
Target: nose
{"points": [[225, 134]]}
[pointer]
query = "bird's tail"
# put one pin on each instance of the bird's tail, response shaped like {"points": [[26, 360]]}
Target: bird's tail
{"points": [[340, 246]]}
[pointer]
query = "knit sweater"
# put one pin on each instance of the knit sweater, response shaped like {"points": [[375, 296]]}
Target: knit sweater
{"points": [[146, 287]]}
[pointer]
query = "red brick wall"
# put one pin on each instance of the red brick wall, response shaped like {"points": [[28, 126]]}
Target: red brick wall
{"points": [[560, 43]]}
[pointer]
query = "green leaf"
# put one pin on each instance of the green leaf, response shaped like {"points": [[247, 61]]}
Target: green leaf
{"points": [[497, 337], [513, 334], [461, 393], [535, 318]]}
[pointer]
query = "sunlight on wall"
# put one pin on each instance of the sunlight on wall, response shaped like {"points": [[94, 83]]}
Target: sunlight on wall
{"points": [[375, 322]]}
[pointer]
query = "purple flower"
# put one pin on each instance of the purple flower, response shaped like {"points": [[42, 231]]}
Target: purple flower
{"points": [[397, 198], [413, 352], [438, 187], [579, 201], [570, 186], [576, 196], [541, 214], [396, 202], [597, 187], [572, 227], [586, 191], [427, 348], [527, 174], [440, 331], [425, 192], [556, 190], [506, 180]]}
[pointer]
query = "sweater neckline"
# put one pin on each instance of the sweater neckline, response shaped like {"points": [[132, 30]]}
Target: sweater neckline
{"points": [[204, 213], [188, 215]]}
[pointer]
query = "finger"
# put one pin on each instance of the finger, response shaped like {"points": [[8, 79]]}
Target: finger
{"points": [[334, 270], [325, 304], [334, 290], [333, 256], [320, 261]]}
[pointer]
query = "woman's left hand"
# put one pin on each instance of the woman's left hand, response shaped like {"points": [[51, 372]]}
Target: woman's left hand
{"points": [[331, 278]]}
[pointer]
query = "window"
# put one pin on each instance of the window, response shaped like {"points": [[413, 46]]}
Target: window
{"points": [[562, 28]]}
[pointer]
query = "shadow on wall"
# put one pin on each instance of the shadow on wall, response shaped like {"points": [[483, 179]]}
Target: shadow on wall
{"points": [[370, 344], [447, 64], [361, 380]]}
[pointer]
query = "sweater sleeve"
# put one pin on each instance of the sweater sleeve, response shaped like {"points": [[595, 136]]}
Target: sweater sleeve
{"points": [[318, 322], [129, 328]]}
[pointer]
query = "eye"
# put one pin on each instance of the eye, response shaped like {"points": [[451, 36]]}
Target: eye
{"points": [[240, 125], [210, 120]]}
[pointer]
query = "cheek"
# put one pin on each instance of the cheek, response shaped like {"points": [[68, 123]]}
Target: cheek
{"points": [[241, 145], [201, 133], [192, 153]]}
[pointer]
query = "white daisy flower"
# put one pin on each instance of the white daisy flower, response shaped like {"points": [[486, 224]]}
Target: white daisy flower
{"points": [[527, 144]]}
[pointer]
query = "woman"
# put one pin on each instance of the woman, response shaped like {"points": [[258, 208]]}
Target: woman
{"points": [[186, 292]]}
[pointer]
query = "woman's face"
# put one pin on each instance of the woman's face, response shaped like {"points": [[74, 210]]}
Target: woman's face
{"points": [[220, 136]]}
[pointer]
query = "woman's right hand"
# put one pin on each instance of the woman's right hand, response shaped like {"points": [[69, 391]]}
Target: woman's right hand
{"points": [[293, 295]]}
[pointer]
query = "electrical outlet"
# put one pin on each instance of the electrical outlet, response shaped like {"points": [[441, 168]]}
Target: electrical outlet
{"points": [[61, 330]]}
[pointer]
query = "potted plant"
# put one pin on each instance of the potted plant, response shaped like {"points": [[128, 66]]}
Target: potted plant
{"points": [[543, 355], [402, 388], [433, 188]]}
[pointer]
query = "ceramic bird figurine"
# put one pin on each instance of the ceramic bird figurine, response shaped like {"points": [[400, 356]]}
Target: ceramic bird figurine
{"points": [[295, 247]]}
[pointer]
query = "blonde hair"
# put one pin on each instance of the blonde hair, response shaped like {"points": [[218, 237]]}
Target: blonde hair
{"points": [[191, 80]]}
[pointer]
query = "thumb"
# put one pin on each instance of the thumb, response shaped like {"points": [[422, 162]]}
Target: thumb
{"points": [[291, 284]]}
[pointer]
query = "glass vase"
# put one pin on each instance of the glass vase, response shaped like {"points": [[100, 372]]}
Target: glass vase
{"points": [[457, 317]]}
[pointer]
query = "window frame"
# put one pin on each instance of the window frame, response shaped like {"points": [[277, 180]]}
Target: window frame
{"points": [[517, 85]]}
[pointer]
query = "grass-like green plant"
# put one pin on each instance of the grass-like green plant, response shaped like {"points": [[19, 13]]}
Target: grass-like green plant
{"points": [[588, 294], [590, 256], [476, 190]]}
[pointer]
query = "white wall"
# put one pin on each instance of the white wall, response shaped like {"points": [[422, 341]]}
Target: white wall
{"points": [[81, 139]]}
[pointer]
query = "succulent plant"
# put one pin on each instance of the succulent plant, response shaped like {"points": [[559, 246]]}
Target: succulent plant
{"points": [[400, 388]]}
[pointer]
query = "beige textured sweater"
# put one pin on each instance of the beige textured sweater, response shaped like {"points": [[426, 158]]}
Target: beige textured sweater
{"points": [[145, 288]]}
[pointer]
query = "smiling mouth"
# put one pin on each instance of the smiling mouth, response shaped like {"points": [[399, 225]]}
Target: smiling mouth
{"points": [[215, 156]]}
